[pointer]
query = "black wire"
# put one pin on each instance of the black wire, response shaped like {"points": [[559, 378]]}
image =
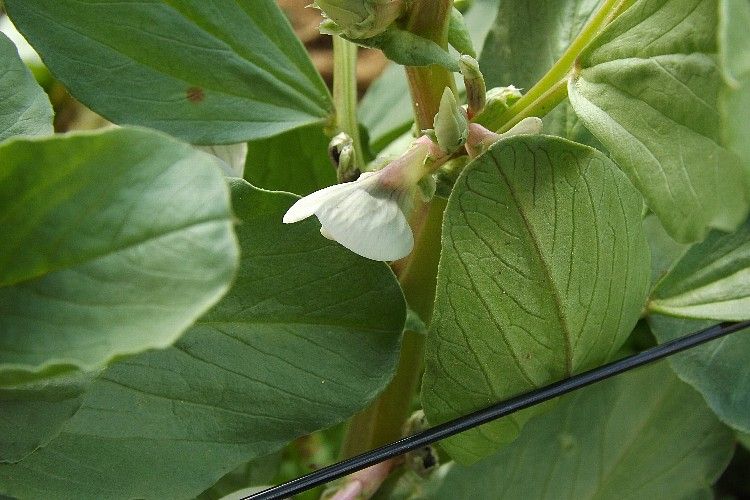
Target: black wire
{"points": [[496, 411]]}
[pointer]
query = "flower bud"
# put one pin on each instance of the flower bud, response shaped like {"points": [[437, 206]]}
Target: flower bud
{"points": [[476, 91], [451, 124], [341, 154], [499, 99], [480, 139], [359, 19], [423, 461], [459, 36]]}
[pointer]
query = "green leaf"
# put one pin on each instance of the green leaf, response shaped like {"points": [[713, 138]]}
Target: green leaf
{"points": [[296, 162], [217, 72], [248, 475], [459, 36], [711, 280], [664, 250], [734, 50], [24, 107], [512, 56], [718, 370], [232, 156], [744, 439], [640, 435], [386, 109], [308, 335], [408, 49], [648, 89], [245, 492], [114, 242], [34, 412], [543, 273], [479, 19]]}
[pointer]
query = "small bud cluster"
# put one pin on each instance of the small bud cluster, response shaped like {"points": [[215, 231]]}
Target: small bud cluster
{"points": [[359, 19], [341, 153]]}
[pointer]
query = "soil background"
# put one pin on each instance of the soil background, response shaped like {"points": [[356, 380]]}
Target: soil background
{"points": [[305, 21]]}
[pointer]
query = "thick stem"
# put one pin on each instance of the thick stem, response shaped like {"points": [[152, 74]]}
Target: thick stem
{"points": [[429, 19], [382, 421], [559, 71], [546, 103], [345, 94]]}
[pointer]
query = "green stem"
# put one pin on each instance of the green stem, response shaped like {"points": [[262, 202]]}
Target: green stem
{"points": [[546, 103], [560, 70], [429, 19], [345, 94], [382, 421]]}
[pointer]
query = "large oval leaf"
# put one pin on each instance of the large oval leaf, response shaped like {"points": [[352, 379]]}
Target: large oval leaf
{"points": [[648, 88], [24, 107], [308, 335], [217, 72], [543, 273], [113, 243], [641, 435]]}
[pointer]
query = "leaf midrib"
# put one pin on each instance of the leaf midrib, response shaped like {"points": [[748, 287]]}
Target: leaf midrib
{"points": [[160, 71], [111, 251], [562, 318]]}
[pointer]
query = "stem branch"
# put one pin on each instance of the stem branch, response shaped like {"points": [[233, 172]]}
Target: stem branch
{"points": [[543, 105], [535, 97], [429, 19]]}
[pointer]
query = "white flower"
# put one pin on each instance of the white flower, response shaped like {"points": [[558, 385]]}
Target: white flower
{"points": [[365, 216]]}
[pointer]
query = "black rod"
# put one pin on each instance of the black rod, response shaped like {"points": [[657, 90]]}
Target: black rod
{"points": [[495, 411]]}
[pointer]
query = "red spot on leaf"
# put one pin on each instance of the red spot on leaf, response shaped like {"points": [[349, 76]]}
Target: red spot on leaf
{"points": [[195, 94]]}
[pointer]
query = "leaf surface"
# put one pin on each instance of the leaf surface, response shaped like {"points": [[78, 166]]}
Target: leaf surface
{"points": [[24, 107], [648, 88], [308, 335], [114, 243], [718, 370], [710, 281], [641, 435], [734, 50], [217, 72], [543, 273], [33, 413], [296, 162]]}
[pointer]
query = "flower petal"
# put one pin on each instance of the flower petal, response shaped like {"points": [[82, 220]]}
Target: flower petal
{"points": [[530, 125], [369, 222], [326, 234], [307, 205]]}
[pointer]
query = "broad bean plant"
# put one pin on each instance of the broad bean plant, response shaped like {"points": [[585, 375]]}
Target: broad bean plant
{"points": [[246, 273]]}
